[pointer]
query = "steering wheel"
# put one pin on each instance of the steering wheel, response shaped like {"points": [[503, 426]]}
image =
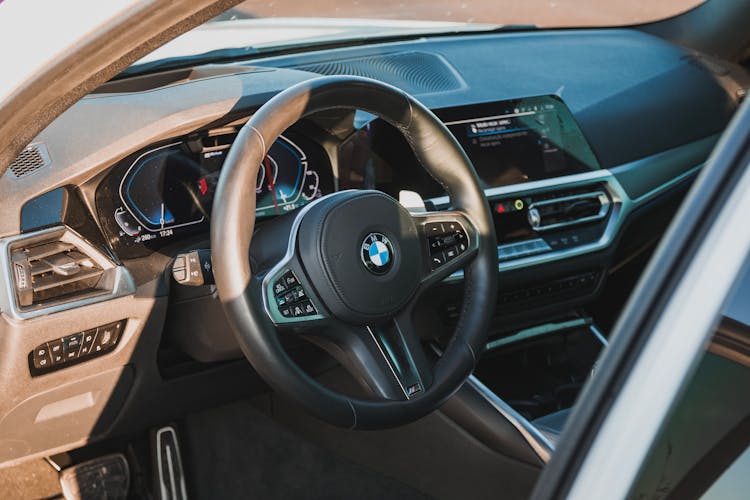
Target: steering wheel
{"points": [[347, 269]]}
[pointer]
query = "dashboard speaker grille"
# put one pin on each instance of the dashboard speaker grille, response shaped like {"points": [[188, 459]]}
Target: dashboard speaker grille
{"points": [[34, 157], [414, 72]]}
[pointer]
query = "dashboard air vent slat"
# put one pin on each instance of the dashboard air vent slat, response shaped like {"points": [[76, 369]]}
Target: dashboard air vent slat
{"points": [[39, 252], [31, 159], [51, 280], [415, 72]]}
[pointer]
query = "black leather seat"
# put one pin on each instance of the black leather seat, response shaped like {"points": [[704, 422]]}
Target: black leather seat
{"points": [[552, 425]]}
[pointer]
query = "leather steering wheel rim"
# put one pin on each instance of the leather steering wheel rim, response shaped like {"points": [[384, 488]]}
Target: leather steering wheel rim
{"points": [[240, 292]]}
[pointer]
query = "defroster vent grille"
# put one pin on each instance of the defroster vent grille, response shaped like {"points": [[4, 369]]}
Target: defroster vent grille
{"points": [[414, 72]]}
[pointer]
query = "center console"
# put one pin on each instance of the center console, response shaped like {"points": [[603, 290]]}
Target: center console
{"points": [[553, 209], [549, 197], [553, 206]]}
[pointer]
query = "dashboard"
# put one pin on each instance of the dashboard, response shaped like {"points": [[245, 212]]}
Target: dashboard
{"points": [[165, 192], [584, 140]]}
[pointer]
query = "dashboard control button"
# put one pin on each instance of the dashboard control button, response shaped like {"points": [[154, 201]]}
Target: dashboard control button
{"points": [[179, 274], [437, 260], [298, 310], [434, 228], [193, 268], [308, 308], [88, 342], [179, 262], [299, 293], [286, 312], [451, 253], [126, 222], [290, 280], [452, 227], [449, 240], [72, 345], [107, 336], [283, 300], [41, 357], [279, 287], [534, 217], [436, 244], [57, 351], [290, 297]]}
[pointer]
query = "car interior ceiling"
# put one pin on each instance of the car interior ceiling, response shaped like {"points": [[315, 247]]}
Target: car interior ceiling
{"points": [[584, 141]]}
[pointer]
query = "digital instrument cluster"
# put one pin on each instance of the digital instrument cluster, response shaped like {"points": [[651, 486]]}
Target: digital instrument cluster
{"points": [[168, 190]]}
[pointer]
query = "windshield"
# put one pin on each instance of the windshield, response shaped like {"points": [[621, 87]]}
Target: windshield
{"points": [[542, 13], [254, 26]]}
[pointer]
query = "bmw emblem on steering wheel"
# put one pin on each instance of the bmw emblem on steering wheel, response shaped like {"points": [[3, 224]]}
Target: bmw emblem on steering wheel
{"points": [[377, 253]]}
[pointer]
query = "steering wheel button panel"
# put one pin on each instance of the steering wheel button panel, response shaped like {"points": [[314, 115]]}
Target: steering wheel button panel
{"points": [[291, 299], [446, 241]]}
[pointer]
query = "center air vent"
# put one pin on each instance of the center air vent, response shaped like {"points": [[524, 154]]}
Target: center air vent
{"points": [[414, 72]]}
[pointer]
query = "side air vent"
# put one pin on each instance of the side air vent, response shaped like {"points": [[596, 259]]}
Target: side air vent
{"points": [[31, 159], [57, 267], [52, 271], [414, 72]]}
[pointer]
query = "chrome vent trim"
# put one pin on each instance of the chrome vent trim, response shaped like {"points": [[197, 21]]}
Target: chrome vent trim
{"points": [[31, 159], [60, 249], [414, 72]]}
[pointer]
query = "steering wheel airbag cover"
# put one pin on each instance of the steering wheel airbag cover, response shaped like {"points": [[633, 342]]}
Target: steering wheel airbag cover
{"points": [[330, 239]]}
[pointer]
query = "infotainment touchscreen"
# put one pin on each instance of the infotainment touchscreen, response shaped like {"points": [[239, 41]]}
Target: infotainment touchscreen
{"points": [[520, 140]]}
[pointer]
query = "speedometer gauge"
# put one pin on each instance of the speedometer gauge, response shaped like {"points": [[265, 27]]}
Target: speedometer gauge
{"points": [[162, 191]]}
